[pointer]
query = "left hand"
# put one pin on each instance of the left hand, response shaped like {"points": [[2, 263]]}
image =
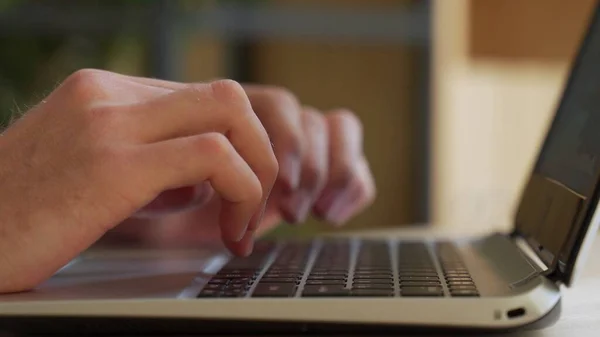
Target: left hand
{"points": [[322, 169]]}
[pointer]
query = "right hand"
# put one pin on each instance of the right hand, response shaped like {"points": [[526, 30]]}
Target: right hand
{"points": [[101, 146]]}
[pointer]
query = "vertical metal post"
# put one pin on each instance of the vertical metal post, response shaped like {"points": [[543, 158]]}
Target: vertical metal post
{"points": [[423, 155], [164, 40]]}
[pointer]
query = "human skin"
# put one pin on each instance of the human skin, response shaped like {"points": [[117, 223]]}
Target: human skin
{"points": [[109, 155]]}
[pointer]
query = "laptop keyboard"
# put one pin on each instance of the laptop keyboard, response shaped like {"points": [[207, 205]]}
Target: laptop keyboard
{"points": [[341, 268]]}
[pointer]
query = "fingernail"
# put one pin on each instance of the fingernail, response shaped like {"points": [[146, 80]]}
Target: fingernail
{"points": [[241, 234], [250, 246], [335, 212], [289, 169]]}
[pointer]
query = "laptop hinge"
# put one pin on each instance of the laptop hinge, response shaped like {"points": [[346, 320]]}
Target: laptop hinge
{"points": [[544, 260]]}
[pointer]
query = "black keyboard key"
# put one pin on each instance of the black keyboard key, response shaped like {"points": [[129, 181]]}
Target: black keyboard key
{"points": [[373, 277], [372, 286], [420, 284], [421, 291], [419, 278], [282, 275], [326, 277], [218, 281], [464, 293], [242, 280], [458, 278], [237, 287], [416, 270], [274, 290], [209, 293], [462, 287], [278, 280], [374, 281], [326, 282], [214, 286], [372, 293], [324, 290], [460, 283], [417, 274], [233, 293], [329, 273]]}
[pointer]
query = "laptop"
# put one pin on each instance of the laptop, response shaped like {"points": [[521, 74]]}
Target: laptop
{"points": [[495, 282]]}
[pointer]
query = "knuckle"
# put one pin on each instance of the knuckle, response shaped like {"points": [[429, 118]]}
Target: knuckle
{"points": [[228, 91], [215, 144], [85, 83]]}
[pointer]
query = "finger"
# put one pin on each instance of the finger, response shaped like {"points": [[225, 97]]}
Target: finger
{"points": [[207, 157], [360, 195], [296, 206], [280, 114], [177, 200], [244, 246], [345, 151], [217, 107]]}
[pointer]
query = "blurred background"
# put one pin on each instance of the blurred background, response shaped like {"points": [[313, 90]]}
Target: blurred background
{"points": [[455, 95]]}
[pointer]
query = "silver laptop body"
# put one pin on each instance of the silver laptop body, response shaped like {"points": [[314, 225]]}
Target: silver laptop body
{"points": [[502, 281]]}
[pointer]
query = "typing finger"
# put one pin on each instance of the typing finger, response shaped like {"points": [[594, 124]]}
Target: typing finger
{"points": [[207, 157]]}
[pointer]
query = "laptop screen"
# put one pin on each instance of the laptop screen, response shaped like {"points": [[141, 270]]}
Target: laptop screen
{"points": [[555, 201]]}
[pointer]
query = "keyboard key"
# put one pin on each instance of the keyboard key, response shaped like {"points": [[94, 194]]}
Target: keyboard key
{"points": [[282, 275], [324, 290], [420, 284], [214, 286], [419, 278], [374, 281], [274, 290], [459, 279], [218, 281], [326, 282], [421, 291], [426, 274], [278, 280], [372, 293], [233, 293], [326, 277], [372, 276], [372, 286], [329, 273], [461, 283], [236, 287], [462, 287], [464, 293], [209, 293]]}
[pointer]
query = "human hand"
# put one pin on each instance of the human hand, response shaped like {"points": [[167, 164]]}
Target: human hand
{"points": [[322, 169], [102, 146]]}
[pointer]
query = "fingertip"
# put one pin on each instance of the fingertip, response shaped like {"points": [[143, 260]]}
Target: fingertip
{"points": [[289, 172], [243, 247]]}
